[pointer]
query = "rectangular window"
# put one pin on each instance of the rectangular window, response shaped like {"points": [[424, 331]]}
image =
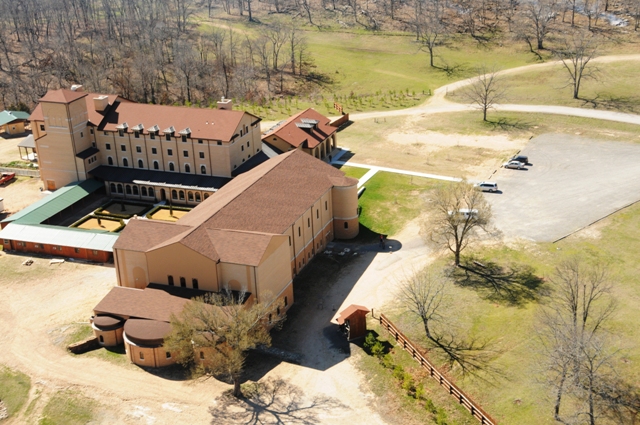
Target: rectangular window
{"points": [[107, 146], [168, 354], [167, 137], [325, 205], [141, 355], [138, 149], [41, 127], [248, 144], [308, 222], [201, 355], [299, 232], [185, 154], [94, 252], [152, 136], [200, 141], [136, 134], [91, 130], [121, 133], [286, 302], [219, 143], [170, 152], [184, 138], [201, 154], [123, 148], [154, 151], [106, 133], [76, 250]]}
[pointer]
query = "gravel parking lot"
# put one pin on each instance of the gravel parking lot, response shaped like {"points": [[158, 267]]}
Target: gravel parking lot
{"points": [[572, 181]]}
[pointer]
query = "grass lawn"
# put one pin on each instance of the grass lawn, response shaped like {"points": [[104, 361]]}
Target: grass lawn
{"points": [[518, 396], [14, 389], [614, 89], [355, 172], [392, 200], [68, 408]]}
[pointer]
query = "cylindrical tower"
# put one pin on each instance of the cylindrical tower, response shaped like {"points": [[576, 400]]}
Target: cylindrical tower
{"points": [[345, 209]]}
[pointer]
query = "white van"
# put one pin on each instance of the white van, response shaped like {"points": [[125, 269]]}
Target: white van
{"points": [[464, 213]]}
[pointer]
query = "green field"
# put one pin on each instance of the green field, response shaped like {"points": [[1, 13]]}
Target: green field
{"points": [[14, 389], [68, 408]]}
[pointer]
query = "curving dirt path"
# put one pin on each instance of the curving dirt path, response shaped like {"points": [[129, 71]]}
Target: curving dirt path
{"points": [[439, 104]]}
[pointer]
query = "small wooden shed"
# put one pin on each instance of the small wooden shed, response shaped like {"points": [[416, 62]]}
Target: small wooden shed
{"points": [[353, 321]]}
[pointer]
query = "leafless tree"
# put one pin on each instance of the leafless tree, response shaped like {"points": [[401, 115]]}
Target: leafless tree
{"points": [[579, 49], [485, 91], [577, 348], [430, 27], [223, 328], [538, 17], [457, 213], [425, 294]]}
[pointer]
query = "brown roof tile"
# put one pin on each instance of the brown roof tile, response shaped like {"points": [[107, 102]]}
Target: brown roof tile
{"points": [[142, 235], [95, 117], [62, 96], [213, 124], [295, 136], [148, 303], [240, 247]]}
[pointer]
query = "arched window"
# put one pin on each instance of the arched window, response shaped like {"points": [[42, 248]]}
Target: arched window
{"points": [[170, 280], [112, 186], [346, 225], [203, 169], [109, 160], [183, 282], [187, 168], [198, 199], [101, 339], [194, 283], [206, 195], [182, 195], [174, 194], [152, 193], [119, 188], [125, 162], [140, 163], [190, 196], [155, 165], [171, 167], [143, 191], [127, 189], [135, 190]]}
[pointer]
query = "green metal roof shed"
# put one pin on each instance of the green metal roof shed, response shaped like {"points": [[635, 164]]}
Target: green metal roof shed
{"points": [[51, 205], [7, 117]]}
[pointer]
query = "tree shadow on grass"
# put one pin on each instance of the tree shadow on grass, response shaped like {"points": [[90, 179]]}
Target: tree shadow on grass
{"points": [[508, 124], [272, 401], [628, 104], [513, 285]]}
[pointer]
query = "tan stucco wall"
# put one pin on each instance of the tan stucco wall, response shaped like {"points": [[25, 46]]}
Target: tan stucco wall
{"points": [[345, 210], [273, 274], [152, 357], [236, 277], [132, 269], [179, 261], [109, 338]]}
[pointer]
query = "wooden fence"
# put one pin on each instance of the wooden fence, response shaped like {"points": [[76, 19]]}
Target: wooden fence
{"points": [[20, 171], [454, 391]]}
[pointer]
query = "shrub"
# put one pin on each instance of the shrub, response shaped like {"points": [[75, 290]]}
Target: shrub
{"points": [[420, 392], [387, 361], [398, 372], [430, 407]]}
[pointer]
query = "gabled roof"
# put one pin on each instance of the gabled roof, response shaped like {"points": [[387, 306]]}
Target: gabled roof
{"points": [[94, 116], [152, 304], [202, 123], [52, 204], [348, 312], [7, 117], [308, 129], [143, 235], [62, 96]]}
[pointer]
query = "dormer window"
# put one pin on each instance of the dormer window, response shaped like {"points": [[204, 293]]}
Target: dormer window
{"points": [[168, 132], [153, 131], [136, 130], [185, 133], [122, 128]]}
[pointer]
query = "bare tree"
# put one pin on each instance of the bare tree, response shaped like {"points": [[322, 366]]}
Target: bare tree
{"points": [[425, 294], [221, 328], [458, 212], [575, 342], [486, 90], [538, 16], [430, 28], [579, 49]]}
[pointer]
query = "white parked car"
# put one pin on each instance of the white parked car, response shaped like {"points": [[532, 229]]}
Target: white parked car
{"points": [[515, 165], [486, 186], [464, 213]]}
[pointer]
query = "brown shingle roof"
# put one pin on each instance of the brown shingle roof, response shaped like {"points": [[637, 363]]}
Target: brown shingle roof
{"points": [[95, 117], [272, 203], [148, 303], [62, 96], [141, 235], [296, 136], [347, 312], [240, 247], [213, 124], [146, 332]]}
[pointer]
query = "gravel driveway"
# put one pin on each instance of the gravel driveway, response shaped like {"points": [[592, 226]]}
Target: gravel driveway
{"points": [[572, 181]]}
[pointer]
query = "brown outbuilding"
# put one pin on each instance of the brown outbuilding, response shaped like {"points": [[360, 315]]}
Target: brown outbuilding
{"points": [[353, 320]]}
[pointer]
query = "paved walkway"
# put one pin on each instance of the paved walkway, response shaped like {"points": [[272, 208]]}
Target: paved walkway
{"points": [[375, 169]]}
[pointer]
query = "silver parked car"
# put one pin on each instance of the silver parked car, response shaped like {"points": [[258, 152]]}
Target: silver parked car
{"points": [[515, 165], [486, 186]]}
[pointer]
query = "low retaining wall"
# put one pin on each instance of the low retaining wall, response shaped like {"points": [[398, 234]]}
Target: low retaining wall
{"points": [[20, 171]]}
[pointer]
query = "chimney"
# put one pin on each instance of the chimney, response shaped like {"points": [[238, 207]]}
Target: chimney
{"points": [[100, 103], [77, 87], [225, 104]]}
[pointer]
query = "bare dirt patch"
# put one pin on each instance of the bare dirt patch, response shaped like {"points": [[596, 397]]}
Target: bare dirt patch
{"points": [[166, 215], [100, 224], [20, 193]]}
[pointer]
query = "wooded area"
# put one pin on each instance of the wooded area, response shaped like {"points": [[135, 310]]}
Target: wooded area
{"points": [[169, 51]]}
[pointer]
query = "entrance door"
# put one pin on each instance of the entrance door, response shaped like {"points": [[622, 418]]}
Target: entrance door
{"points": [[163, 195]]}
